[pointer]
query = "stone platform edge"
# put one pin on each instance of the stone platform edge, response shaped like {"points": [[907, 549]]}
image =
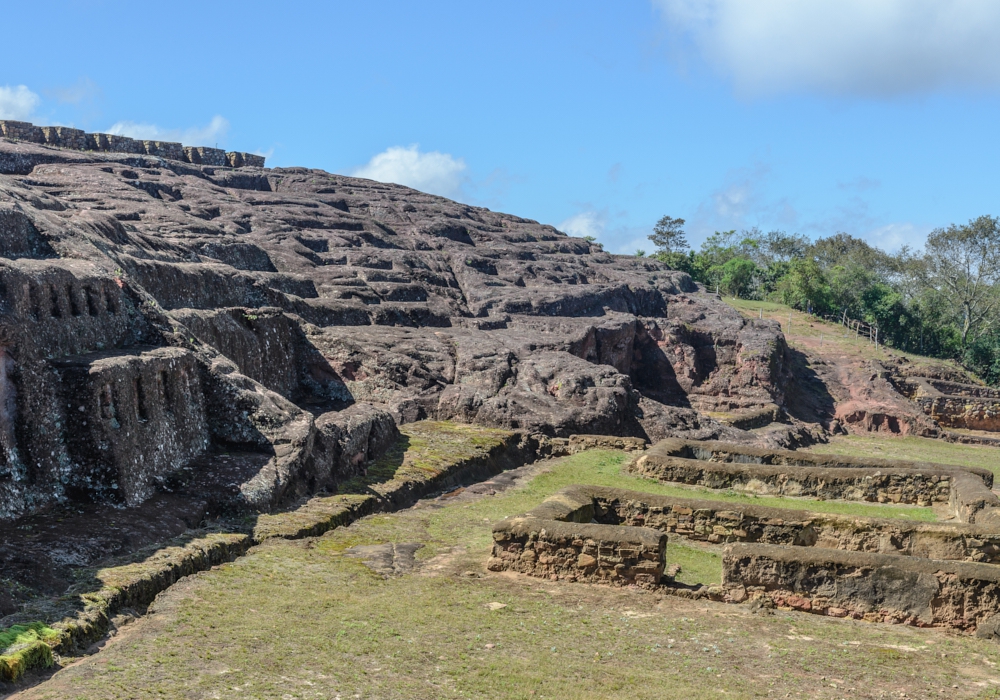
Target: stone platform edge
{"points": [[79, 140]]}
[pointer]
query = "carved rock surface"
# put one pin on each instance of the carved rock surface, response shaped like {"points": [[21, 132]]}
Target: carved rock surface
{"points": [[288, 295]]}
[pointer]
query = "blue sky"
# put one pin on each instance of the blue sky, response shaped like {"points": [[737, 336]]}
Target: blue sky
{"points": [[811, 116]]}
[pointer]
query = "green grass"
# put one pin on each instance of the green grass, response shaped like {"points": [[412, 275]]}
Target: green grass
{"points": [[815, 333], [298, 619], [914, 449], [425, 450], [19, 635], [855, 508], [23, 648], [601, 468], [698, 564]]}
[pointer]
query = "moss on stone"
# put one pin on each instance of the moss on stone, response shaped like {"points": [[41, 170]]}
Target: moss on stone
{"points": [[427, 450], [428, 454], [25, 647], [315, 517]]}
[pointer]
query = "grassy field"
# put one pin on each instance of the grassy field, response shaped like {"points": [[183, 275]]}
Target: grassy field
{"points": [[913, 448], [300, 619], [812, 333], [867, 510]]}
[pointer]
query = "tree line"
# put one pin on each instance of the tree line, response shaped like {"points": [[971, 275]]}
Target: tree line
{"points": [[943, 301]]}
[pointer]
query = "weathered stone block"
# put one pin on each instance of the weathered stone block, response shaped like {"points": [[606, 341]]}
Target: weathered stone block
{"points": [[878, 587], [624, 555], [21, 131], [132, 417], [202, 155], [164, 149]]}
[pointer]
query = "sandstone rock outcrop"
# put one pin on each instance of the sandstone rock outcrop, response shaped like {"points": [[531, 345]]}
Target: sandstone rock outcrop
{"points": [[160, 310]]}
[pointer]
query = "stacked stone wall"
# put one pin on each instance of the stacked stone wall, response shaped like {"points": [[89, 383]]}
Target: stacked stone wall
{"points": [[720, 523], [560, 540], [895, 486], [922, 573], [208, 156], [714, 451], [788, 473], [864, 585], [579, 551], [78, 140]]}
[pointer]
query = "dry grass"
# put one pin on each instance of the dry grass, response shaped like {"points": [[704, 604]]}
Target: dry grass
{"points": [[810, 333], [913, 449], [301, 620]]}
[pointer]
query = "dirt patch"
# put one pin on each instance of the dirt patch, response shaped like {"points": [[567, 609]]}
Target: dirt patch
{"points": [[389, 559]]}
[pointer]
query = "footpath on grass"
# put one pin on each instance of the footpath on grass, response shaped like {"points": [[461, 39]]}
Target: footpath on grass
{"points": [[340, 615]]}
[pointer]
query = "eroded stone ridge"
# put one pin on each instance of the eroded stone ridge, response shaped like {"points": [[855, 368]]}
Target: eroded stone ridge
{"points": [[953, 404], [184, 342], [76, 139]]}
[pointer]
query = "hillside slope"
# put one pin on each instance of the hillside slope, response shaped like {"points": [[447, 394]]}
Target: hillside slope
{"points": [[156, 311]]}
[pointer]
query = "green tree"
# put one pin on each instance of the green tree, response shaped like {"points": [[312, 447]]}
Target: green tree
{"points": [[738, 277], [961, 264], [982, 356], [668, 235], [805, 286], [781, 247], [850, 252], [847, 285]]}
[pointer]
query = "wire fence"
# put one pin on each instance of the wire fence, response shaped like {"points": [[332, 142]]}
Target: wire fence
{"points": [[868, 331], [861, 330]]}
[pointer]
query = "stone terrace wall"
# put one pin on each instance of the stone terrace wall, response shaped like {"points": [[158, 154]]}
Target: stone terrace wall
{"points": [[65, 137], [557, 540], [957, 389], [719, 522], [863, 585], [579, 551], [963, 412], [928, 574], [897, 486], [786, 473], [715, 451]]}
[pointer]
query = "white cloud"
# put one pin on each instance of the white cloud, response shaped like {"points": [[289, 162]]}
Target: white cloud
{"points": [[843, 47], [83, 90], [892, 237], [741, 202], [18, 103], [208, 135], [588, 223], [609, 229], [434, 172]]}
